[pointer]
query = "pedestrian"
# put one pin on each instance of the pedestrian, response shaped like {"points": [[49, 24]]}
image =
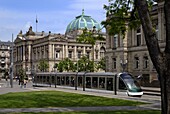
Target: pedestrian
{"points": [[6, 78], [21, 83], [25, 83]]}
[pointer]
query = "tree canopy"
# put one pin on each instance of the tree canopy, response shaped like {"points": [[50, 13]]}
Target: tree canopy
{"points": [[131, 13], [122, 14], [43, 65]]}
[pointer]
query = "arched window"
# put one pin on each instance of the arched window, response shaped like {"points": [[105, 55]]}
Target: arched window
{"points": [[102, 51]]}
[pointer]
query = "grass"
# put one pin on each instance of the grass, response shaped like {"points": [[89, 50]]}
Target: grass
{"points": [[41, 99], [98, 112]]}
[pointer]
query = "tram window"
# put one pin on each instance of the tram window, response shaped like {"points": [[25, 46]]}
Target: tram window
{"points": [[88, 82], [67, 80], [122, 85], [58, 80], [95, 82], [101, 82], [80, 82], [109, 83], [53, 79]]}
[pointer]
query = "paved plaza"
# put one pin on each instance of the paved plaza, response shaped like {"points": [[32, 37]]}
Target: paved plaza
{"points": [[6, 88]]}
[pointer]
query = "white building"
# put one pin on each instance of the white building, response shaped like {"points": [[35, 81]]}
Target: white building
{"points": [[32, 46]]}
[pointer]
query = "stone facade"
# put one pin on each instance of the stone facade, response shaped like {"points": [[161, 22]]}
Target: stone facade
{"points": [[31, 47], [130, 54], [5, 54]]}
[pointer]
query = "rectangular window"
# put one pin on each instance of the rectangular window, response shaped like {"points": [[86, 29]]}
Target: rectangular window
{"points": [[88, 55], [115, 38], [79, 54], [70, 54], [136, 62], [138, 37], [97, 55], [57, 54], [34, 56], [42, 52], [114, 63], [145, 62], [38, 55]]}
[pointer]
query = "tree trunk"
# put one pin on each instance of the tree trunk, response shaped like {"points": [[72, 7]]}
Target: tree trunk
{"points": [[167, 96], [163, 95], [161, 60], [165, 91]]}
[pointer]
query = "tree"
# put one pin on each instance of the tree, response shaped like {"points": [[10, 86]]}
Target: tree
{"points": [[55, 66], [66, 65], [118, 20], [22, 75], [61, 66], [102, 64], [6, 73], [43, 65], [84, 64], [90, 37]]}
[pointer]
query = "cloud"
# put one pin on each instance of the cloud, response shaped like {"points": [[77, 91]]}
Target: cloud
{"points": [[56, 20], [88, 4], [94, 8]]}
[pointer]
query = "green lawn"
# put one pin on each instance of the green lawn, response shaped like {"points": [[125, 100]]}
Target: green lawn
{"points": [[57, 99], [97, 112]]}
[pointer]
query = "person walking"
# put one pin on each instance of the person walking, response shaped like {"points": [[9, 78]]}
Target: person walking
{"points": [[25, 83]]}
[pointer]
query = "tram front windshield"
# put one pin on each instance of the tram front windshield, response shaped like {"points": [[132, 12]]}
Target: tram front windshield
{"points": [[132, 85]]}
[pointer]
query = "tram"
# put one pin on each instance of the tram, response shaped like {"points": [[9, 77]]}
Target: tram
{"points": [[110, 81]]}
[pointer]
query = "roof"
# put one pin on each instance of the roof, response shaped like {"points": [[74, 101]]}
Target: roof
{"points": [[5, 43], [82, 22]]}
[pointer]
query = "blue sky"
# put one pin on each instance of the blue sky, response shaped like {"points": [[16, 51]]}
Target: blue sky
{"points": [[52, 15]]}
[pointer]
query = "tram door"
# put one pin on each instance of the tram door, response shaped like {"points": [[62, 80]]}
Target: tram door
{"points": [[67, 80], [80, 81], [58, 81]]}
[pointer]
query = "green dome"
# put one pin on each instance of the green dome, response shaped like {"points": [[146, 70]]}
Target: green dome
{"points": [[81, 22]]}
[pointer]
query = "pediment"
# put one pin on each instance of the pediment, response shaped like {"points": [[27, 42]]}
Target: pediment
{"points": [[18, 40]]}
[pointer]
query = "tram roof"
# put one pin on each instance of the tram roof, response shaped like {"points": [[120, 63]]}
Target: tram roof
{"points": [[79, 73]]}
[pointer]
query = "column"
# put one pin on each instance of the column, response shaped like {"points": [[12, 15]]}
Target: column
{"points": [[63, 55], [75, 53], [66, 50], [29, 52], [84, 50], [53, 53], [49, 52]]}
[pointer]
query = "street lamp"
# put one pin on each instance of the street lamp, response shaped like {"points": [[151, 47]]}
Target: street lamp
{"points": [[123, 64], [11, 66]]}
